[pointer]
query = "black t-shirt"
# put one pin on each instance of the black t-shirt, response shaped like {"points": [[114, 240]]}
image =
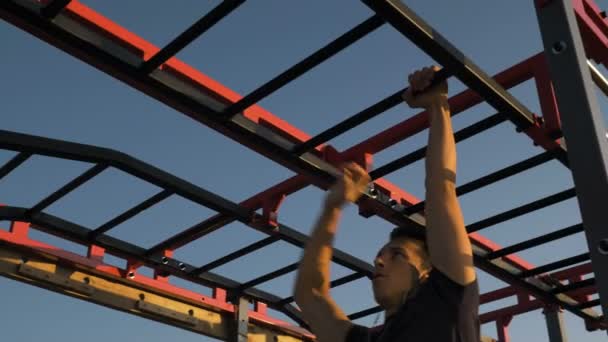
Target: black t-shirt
{"points": [[441, 311]]}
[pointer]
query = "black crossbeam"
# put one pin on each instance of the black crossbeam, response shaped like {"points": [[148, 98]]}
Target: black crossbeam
{"points": [[51, 10], [522, 210], [66, 189], [305, 65], [237, 254], [491, 178], [13, 163], [131, 213], [555, 265], [537, 241], [419, 154], [188, 36]]}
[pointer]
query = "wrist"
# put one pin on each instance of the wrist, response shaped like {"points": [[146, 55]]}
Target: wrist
{"points": [[438, 104]]}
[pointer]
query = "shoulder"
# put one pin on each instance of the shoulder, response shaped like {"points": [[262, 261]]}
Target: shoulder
{"points": [[450, 291]]}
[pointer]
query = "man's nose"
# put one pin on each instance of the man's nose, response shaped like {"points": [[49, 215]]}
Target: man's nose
{"points": [[378, 262]]}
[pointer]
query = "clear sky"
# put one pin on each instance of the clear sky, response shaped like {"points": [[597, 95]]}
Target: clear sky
{"points": [[46, 92]]}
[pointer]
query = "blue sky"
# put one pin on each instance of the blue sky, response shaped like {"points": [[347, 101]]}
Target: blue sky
{"points": [[48, 93]]}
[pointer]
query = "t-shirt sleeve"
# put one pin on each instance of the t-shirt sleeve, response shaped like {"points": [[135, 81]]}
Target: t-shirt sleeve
{"points": [[453, 293], [358, 333]]}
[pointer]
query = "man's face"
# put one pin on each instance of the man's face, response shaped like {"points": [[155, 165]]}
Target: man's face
{"points": [[394, 273]]}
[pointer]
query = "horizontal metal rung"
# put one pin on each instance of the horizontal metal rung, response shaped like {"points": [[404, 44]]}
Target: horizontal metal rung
{"points": [[419, 154], [555, 265], [573, 286], [305, 65], [350, 123], [536, 241], [14, 163], [192, 33], [492, 178], [522, 210], [364, 313], [131, 212], [66, 189], [270, 276], [237, 254]]}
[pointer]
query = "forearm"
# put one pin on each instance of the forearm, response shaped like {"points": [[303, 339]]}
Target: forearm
{"points": [[441, 149], [314, 271]]}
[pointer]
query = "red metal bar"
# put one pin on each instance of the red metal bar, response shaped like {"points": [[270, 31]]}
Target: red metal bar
{"points": [[594, 29]]}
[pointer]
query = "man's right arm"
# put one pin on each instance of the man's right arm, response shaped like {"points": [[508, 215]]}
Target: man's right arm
{"points": [[327, 321]]}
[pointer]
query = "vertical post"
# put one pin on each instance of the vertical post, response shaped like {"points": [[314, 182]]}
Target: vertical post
{"points": [[583, 128], [240, 329], [555, 324], [502, 328]]}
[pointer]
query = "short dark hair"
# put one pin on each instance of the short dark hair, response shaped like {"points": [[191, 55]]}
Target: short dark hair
{"points": [[408, 232]]}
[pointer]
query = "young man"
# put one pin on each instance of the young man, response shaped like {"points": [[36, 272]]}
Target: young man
{"points": [[428, 289]]}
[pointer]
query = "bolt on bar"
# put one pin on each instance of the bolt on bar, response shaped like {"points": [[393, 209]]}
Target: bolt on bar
{"points": [[14, 163], [419, 154], [555, 265], [305, 65], [537, 241], [130, 213], [522, 210], [491, 178], [66, 189], [192, 33]]}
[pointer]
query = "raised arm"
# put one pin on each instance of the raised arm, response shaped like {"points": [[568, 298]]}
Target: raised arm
{"points": [[448, 241], [327, 321]]}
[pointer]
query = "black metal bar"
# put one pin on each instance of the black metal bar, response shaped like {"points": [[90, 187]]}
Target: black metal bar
{"points": [[340, 257], [554, 265], [198, 230], [537, 241], [419, 154], [583, 127], [66, 189], [192, 33], [79, 234], [430, 41], [272, 275], [574, 286], [305, 65], [364, 313], [92, 154], [589, 304], [14, 163], [130, 213], [51, 10], [237, 254], [332, 284], [556, 326], [352, 122], [522, 210], [491, 178]]}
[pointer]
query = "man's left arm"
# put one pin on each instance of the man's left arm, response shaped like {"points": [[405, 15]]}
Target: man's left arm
{"points": [[449, 246]]}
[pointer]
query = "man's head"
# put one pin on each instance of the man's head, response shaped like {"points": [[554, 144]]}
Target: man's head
{"points": [[399, 267]]}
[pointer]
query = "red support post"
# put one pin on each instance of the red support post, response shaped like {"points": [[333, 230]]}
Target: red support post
{"points": [[161, 276], [96, 253], [20, 228]]}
